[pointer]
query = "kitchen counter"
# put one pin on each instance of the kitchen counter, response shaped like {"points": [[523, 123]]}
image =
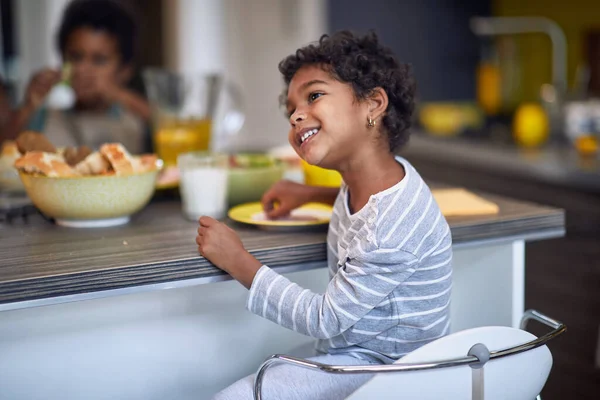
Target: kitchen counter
{"points": [[561, 166], [45, 264], [132, 340]]}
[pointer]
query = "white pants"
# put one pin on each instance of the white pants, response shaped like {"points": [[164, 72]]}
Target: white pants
{"points": [[287, 382]]}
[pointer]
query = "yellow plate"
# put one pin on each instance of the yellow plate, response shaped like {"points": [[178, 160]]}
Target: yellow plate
{"points": [[308, 216]]}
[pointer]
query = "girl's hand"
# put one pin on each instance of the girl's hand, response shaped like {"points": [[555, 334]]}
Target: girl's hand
{"points": [[284, 196], [221, 245]]}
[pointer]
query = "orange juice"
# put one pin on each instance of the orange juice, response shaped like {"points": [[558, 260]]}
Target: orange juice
{"points": [[175, 137]]}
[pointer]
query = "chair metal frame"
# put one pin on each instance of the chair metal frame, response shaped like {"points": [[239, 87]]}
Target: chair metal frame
{"points": [[473, 361]]}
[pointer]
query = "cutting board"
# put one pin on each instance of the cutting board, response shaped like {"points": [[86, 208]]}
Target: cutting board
{"points": [[459, 202]]}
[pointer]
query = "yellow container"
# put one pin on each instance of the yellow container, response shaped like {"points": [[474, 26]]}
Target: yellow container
{"points": [[317, 176]]}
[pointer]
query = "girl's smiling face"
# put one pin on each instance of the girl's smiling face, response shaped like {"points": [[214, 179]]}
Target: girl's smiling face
{"points": [[328, 123]]}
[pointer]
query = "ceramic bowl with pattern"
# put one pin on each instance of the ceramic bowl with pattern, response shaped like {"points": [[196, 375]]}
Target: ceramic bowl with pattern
{"points": [[90, 201]]}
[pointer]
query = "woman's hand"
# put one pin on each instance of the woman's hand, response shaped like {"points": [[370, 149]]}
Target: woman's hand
{"points": [[284, 196], [222, 246]]}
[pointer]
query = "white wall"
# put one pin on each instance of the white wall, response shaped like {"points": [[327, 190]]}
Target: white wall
{"points": [[36, 24], [259, 34], [195, 35], [246, 40]]}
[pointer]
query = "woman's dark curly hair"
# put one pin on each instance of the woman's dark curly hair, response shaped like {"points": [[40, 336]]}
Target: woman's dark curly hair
{"points": [[103, 15], [365, 64]]}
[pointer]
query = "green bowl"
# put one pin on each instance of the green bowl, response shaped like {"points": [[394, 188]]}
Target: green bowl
{"points": [[247, 184], [90, 201]]}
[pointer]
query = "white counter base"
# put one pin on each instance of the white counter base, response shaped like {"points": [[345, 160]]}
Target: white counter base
{"points": [[189, 342]]}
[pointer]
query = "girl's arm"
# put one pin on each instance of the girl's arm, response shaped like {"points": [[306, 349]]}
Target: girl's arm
{"points": [[285, 196], [322, 194], [360, 285]]}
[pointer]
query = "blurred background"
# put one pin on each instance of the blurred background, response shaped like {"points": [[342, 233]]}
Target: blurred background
{"points": [[509, 103], [473, 73]]}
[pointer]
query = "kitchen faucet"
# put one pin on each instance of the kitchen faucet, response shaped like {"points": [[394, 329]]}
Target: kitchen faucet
{"points": [[494, 26]]}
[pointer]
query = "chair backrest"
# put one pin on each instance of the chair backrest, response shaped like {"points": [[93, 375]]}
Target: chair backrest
{"points": [[516, 377]]}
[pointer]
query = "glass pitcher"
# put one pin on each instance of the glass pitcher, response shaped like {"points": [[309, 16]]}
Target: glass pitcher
{"points": [[191, 112]]}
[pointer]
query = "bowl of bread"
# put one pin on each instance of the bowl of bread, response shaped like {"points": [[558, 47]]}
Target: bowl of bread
{"points": [[79, 187]]}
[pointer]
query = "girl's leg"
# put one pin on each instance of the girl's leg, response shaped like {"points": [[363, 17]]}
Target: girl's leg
{"points": [[285, 382]]}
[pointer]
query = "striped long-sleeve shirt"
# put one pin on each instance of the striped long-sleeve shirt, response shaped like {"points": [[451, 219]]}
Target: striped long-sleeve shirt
{"points": [[390, 268]]}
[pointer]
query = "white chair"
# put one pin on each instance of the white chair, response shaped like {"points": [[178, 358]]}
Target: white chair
{"points": [[488, 363]]}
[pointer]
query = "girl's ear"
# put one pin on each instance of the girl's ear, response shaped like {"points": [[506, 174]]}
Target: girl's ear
{"points": [[378, 102]]}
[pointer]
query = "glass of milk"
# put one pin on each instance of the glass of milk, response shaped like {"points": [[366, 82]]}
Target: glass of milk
{"points": [[203, 184]]}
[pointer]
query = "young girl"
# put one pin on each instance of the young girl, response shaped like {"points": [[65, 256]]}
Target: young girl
{"points": [[96, 38], [349, 103]]}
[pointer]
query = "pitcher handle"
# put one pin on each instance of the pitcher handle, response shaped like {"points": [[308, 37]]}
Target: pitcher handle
{"points": [[235, 116]]}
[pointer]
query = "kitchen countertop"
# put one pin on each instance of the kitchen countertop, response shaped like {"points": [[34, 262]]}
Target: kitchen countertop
{"points": [[46, 264], [561, 166]]}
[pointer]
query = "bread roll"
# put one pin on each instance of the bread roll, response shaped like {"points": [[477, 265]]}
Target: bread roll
{"points": [[33, 141], [118, 157], [94, 164], [75, 155], [48, 164], [145, 163]]}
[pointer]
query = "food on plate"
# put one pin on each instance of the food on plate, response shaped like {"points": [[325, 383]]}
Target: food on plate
{"points": [[33, 141], [302, 218]]}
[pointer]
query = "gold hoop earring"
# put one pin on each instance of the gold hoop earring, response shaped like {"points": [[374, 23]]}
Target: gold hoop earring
{"points": [[370, 122]]}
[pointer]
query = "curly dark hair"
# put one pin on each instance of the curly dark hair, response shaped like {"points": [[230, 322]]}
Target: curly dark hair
{"points": [[103, 15], [365, 64]]}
